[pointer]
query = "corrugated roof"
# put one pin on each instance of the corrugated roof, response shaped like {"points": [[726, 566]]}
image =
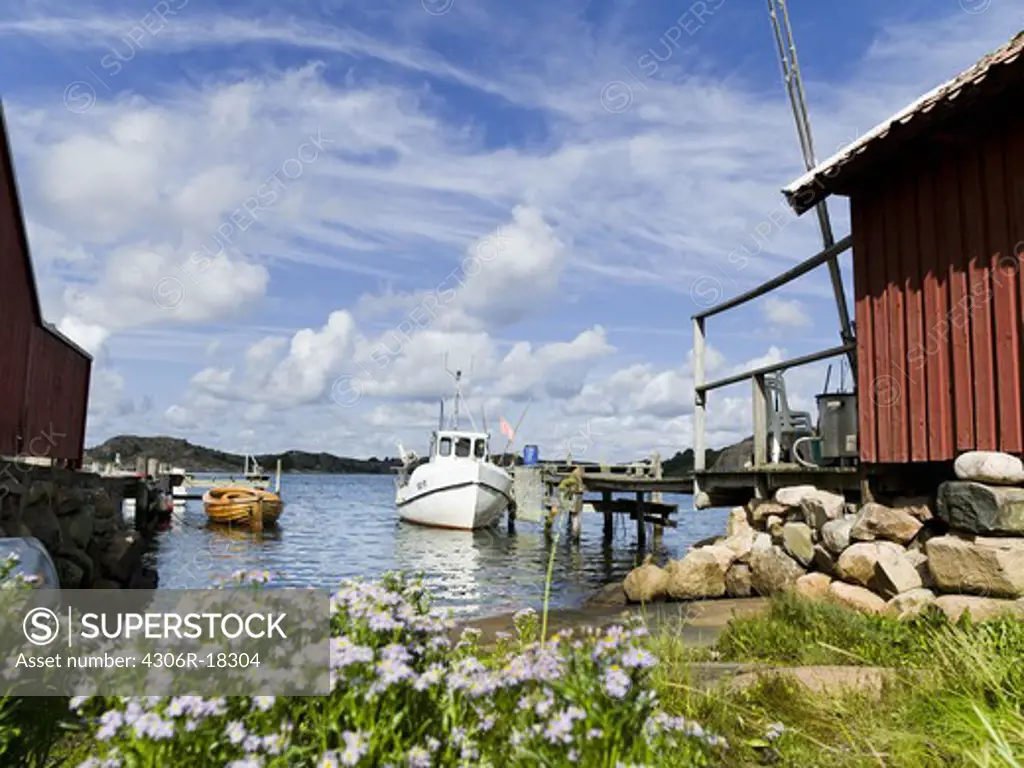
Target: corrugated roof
{"points": [[798, 193]]}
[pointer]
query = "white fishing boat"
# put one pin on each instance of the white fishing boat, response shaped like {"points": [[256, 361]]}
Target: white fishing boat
{"points": [[458, 486]]}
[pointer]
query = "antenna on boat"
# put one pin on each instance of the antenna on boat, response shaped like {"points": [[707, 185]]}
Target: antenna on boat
{"points": [[457, 375], [798, 100]]}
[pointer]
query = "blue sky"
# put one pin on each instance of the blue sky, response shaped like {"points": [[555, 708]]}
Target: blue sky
{"points": [[269, 222]]}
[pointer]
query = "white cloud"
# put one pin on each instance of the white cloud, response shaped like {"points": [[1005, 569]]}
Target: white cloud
{"points": [[599, 217], [787, 313]]}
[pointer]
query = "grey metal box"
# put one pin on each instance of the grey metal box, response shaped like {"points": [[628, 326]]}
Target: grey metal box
{"points": [[837, 422]]}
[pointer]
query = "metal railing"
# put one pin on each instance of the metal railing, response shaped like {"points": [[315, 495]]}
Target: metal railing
{"points": [[757, 375]]}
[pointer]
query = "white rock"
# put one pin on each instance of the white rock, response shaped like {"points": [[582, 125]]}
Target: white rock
{"points": [[989, 467], [792, 496]]}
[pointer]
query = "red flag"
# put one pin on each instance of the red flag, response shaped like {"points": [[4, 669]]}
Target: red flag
{"points": [[506, 429]]}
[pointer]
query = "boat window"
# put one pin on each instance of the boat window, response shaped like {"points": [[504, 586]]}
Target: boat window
{"points": [[481, 449], [446, 447], [462, 447]]}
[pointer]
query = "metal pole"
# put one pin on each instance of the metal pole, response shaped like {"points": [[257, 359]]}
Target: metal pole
{"points": [[797, 98]]}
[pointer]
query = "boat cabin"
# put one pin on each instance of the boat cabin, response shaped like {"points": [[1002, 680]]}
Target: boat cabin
{"points": [[457, 444]]}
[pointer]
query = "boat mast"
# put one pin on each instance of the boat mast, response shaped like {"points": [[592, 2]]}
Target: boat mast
{"points": [[457, 375], [797, 99]]}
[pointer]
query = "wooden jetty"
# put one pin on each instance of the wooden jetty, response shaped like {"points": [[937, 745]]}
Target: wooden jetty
{"points": [[538, 494]]}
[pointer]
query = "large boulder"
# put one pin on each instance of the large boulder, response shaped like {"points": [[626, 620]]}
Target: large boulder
{"points": [[724, 556], [980, 608], [983, 509], [992, 567], [794, 495], [824, 561], [773, 571], [910, 603], [876, 521], [813, 586], [821, 506], [741, 544], [81, 562], [70, 500], [737, 523], [77, 528], [762, 543], [989, 467], [42, 521], [646, 584], [123, 557], [835, 535], [856, 598], [759, 510], [919, 560], [859, 563], [919, 507], [738, 581], [797, 541], [699, 574], [895, 572]]}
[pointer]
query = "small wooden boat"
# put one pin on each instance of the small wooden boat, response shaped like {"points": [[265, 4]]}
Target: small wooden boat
{"points": [[251, 507]]}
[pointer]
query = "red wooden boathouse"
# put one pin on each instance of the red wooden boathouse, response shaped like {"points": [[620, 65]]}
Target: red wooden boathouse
{"points": [[937, 217], [44, 376]]}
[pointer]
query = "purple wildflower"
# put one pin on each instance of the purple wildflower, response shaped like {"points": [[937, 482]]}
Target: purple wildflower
{"points": [[263, 703], [559, 730], [152, 726], [328, 760], [235, 732], [432, 676], [638, 658], [111, 722], [344, 653], [391, 672], [419, 758], [274, 743], [616, 682], [395, 652], [355, 748], [381, 621]]}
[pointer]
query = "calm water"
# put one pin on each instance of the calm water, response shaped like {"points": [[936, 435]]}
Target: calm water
{"points": [[339, 526]]}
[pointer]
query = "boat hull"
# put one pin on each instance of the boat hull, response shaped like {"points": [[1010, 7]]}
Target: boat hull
{"points": [[242, 506], [461, 496]]}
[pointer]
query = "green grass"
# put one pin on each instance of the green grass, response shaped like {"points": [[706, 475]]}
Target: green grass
{"points": [[956, 698]]}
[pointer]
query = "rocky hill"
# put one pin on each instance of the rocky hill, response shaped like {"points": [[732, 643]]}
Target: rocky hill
{"points": [[198, 458]]}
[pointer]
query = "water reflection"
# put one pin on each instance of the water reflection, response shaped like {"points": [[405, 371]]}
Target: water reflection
{"points": [[337, 527]]}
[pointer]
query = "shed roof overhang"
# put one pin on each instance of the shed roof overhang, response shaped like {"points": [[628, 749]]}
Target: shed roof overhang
{"points": [[840, 173]]}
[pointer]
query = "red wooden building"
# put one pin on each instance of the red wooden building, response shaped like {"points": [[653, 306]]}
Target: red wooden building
{"points": [[937, 216], [44, 376]]}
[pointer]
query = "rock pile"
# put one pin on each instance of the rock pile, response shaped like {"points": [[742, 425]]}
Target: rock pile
{"points": [[80, 524], [963, 553]]}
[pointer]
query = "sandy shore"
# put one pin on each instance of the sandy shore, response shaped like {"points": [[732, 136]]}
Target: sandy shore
{"points": [[699, 623]]}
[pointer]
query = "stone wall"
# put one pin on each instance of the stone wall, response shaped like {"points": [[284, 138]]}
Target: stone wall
{"points": [[962, 550], [77, 517]]}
